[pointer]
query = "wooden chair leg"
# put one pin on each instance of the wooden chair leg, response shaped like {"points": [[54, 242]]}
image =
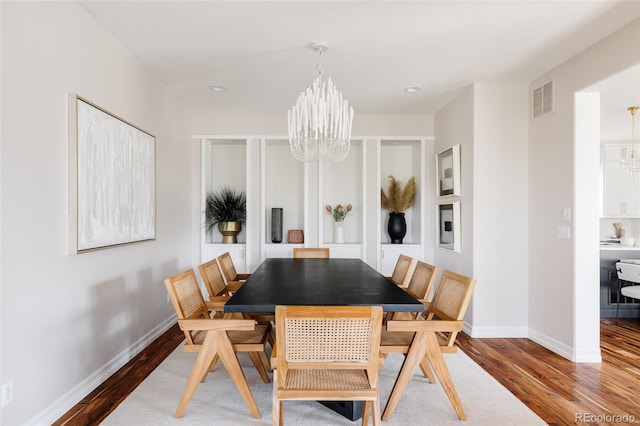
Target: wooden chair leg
{"points": [[377, 413], [200, 370], [214, 361], [365, 413], [276, 404], [265, 361], [230, 361], [257, 362], [411, 361], [426, 370], [434, 354]]}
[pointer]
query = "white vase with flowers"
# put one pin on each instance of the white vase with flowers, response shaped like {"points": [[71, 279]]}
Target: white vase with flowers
{"points": [[338, 213]]}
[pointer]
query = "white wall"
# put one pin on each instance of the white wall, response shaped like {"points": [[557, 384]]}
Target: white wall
{"points": [[206, 123], [68, 322], [454, 125], [555, 315], [489, 121], [500, 210]]}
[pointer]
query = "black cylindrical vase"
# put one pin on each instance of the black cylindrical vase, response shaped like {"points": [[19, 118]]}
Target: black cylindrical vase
{"points": [[397, 227], [276, 225]]}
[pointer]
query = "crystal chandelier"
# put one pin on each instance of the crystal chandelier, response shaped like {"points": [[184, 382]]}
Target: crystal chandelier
{"points": [[320, 121], [631, 160]]}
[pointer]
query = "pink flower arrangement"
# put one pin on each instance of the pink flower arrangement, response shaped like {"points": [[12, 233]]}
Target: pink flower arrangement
{"points": [[339, 212]]}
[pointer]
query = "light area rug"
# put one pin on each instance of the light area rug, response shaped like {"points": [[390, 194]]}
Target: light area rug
{"points": [[217, 402]]}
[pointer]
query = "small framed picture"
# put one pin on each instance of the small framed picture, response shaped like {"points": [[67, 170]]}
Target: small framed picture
{"points": [[449, 226], [448, 167]]}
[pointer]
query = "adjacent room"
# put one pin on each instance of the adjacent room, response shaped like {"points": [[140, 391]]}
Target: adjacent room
{"points": [[441, 178]]}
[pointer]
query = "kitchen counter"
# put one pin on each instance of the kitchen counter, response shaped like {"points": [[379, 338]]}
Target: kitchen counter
{"points": [[618, 247], [613, 244]]}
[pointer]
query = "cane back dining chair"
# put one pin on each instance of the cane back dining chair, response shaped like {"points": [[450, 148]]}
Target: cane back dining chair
{"points": [[311, 252], [446, 309], [401, 274], [214, 283], [450, 302], [422, 280], [218, 292], [327, 353], [233, 280], [215, 338], [423, 348]]}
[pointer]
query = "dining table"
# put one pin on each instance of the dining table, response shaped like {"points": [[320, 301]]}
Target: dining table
{"points": [[320, 282]]}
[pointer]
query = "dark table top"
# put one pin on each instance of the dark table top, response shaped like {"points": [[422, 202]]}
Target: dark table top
{"points": [[318, 282]]}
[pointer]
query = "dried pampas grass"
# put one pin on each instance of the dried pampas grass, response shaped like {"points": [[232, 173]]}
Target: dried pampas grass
{"points": [[398, 199]]}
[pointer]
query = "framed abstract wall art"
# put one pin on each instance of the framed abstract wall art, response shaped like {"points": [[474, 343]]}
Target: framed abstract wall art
{"points": [[111, 179]]}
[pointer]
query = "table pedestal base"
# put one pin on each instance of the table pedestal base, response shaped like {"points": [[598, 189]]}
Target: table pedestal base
{"points": [[350, 409]]}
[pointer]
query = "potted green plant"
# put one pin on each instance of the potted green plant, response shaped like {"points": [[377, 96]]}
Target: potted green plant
{"points": [[226, 208], [397, 200]]}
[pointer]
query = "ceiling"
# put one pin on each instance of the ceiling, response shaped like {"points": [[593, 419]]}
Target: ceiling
{"points": [[260, 50], [617, 93]]}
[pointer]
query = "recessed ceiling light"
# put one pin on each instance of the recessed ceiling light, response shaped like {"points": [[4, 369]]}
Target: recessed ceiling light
{"points": [[412, 89], [217, 88]]}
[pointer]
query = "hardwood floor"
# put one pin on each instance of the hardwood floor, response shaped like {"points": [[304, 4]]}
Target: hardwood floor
{"points": [[102, 401], [559, 391], [562, 392]]}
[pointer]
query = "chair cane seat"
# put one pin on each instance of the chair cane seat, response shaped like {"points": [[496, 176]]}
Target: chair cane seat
{"points": [[256, 336], [327, 380], [397, 338], [248, 337]]}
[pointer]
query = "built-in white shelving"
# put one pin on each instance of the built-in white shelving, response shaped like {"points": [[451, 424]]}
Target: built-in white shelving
{"points": [[264, 167]]}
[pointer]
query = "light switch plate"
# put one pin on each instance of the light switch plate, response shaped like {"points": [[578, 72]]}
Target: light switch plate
{"points": [[566, 214], [563, 232]]}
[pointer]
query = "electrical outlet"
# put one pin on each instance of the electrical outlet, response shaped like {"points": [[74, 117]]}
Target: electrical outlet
{"points": [[7, 393]]}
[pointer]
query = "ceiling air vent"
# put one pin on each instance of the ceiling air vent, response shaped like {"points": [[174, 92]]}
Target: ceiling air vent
{"points": [[543, 100]]}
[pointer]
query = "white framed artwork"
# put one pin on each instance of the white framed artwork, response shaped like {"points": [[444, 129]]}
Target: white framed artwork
{"points": [[448, 170], [111, 179], [448, 215]]}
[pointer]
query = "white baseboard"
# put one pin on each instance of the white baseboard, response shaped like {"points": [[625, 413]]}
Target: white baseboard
{"points": [[584, 355], [551, 344], [587, 355], [84, 388]]}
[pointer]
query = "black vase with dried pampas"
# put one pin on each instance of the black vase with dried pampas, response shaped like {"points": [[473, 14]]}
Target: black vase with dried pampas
{"points": [[397, 200]]}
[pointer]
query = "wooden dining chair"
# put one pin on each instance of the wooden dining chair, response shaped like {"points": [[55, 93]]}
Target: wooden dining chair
{"points": [[311, 252], [215, 338], [233, 280], [218, 292], [402, 271], [424, 347], [450, 302], [447, 308], [214, 283], [327, 353], [422, 280]]}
